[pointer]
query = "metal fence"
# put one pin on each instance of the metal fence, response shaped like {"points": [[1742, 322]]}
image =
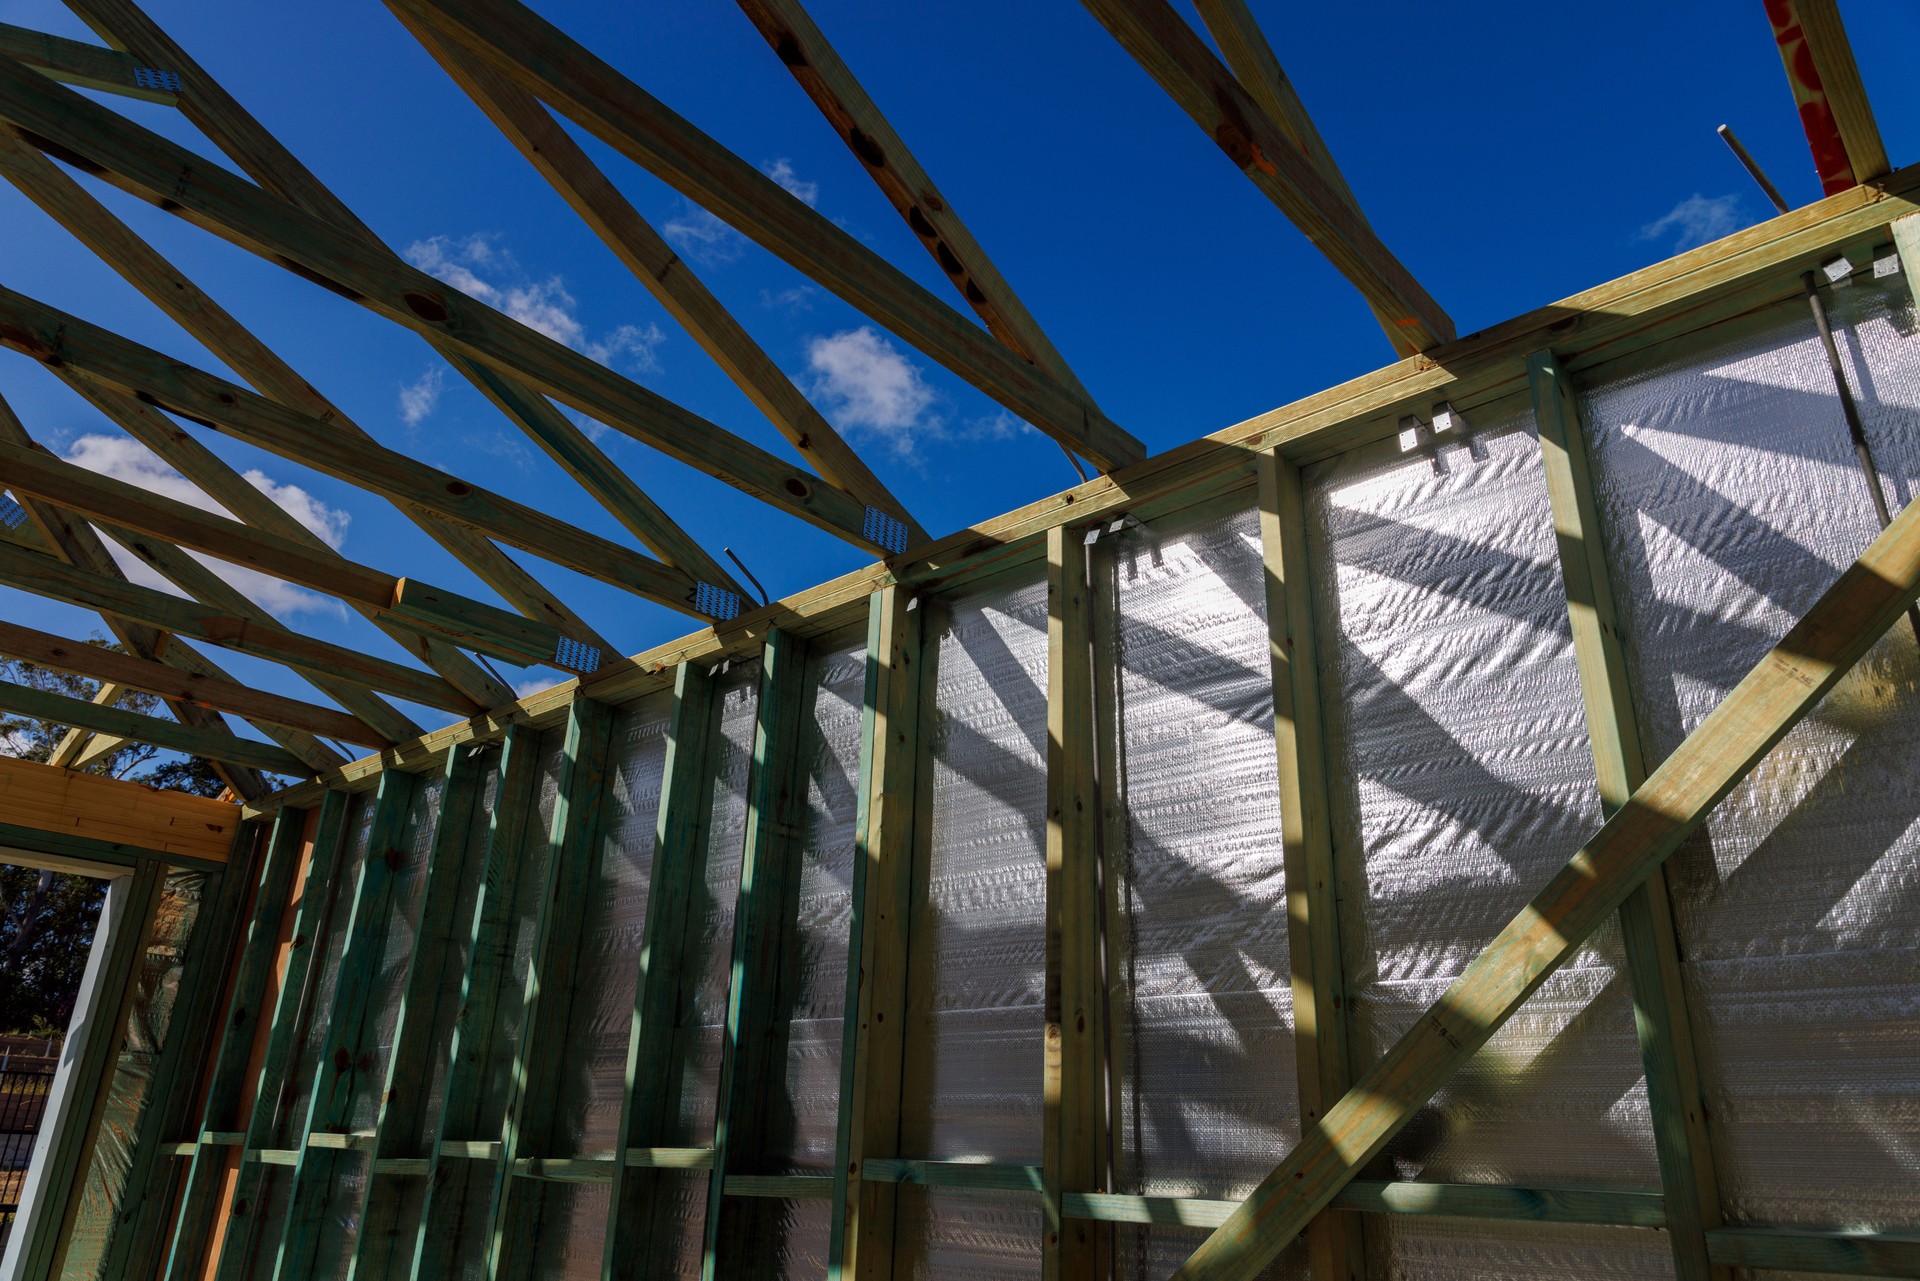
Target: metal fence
{"points": [[23, 1099]]}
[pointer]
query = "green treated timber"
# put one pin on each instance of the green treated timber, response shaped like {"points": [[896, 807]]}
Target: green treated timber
{"points": [[1322, 1055], [860, 1244], [677, 878], [341, 1075], [24, 700], [380, 1251], [283, 1042], [1073, 1087], [784, 1187], [152, 168], [573, 840], [87, 66], [1674, 1093], [1787, 683], [978, 1175], [45, 576], [489, 967], [64, 1162], [45, 333], [753, 1051], [476, 624], [545, 62], [239, 1024], [141, 1219], [1850, 1254], [38, 840]]}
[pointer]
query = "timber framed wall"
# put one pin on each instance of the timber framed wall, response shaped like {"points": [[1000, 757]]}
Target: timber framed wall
{"points": [[1127, 854], [1459, 824]]}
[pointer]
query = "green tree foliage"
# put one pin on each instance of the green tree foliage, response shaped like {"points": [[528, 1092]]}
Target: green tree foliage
{"points": [[47, 919]]}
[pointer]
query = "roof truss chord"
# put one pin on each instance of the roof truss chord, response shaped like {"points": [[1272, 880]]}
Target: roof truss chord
{"points": [[568, 77], [142, 163], [1169, 50]]}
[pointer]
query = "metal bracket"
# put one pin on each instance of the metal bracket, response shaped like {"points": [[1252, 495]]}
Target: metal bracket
{"points": [[12, 514], [151, 78], [718, 603], [884, 530], [1124, 521], [576, 656]]}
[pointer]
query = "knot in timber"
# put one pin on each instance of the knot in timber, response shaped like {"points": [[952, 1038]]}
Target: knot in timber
{"points": [[797, 487], [429, 308]]}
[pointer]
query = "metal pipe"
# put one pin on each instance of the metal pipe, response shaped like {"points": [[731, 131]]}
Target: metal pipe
{"points": [[1817, 305]]}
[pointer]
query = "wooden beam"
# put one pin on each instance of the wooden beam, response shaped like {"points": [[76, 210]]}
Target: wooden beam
{"points": [[1788, 682], [1172, 53], [1733, 277], [261, 157], [463, 1115], [67, 126], [1834, 111], [89, 66], [674, 895], [74, 542], [384, 1249], [545, 62], [139, 1228], [76, 741], [419, 605], [805, 51], [50, 335], [45, 576], [343, 1070], [74, 209], [1073, 1091], [24, 700], [753, 1059], [96, 662], [573, 861], [200, 584], [177, 825], [1258, 70], [205, 1180], [564, 164], [1675, 1096], [872, 1035], [1321, 1027], [245, 1208], [1852, 1254]]}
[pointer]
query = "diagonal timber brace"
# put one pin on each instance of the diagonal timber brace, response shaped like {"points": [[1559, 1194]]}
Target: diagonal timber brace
{"points": [[1787, 684]]}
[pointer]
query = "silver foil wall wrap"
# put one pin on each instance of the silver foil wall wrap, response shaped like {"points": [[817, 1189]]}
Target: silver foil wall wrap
{"points": [[816, 972], [1732, 499], [1463, 779], [594, 1084], [708, 962], [1201, 1003], [977, 953]]}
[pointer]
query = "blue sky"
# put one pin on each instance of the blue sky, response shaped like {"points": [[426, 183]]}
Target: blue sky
{"points": [[1509, 154]]}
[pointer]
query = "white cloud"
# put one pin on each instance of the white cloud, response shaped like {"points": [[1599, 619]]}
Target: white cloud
{"points": [[127, 460], [528, 688], [781, 171], [1000, 425], [418, 398], [637, 343], [702, 237], [798, 298], [542, 305], [866, 384], [1696, 220]]}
